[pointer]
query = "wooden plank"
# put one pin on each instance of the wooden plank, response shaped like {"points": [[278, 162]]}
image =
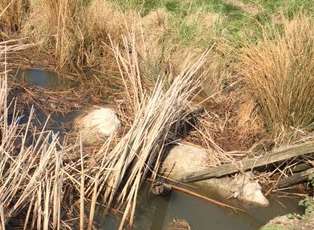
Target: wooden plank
{"points": [[296, 178], [277, 155]]}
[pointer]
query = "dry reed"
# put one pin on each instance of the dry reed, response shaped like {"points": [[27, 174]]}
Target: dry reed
{"points": [[36, 172], [32, 179], [12, 13], [74, 30], [139, 152]]}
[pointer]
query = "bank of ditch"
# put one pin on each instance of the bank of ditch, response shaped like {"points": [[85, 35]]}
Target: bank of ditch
{"points": [[248, 96]]}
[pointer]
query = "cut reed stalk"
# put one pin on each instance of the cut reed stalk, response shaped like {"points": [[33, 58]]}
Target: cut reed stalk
{"points": [[138, 153], [32, 182]]}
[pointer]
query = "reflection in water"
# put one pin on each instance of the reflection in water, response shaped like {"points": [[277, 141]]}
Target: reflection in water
{"points": [[58, 122], [44, 79], [155, 213]]}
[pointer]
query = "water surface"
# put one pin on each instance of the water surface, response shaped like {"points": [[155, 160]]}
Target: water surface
{"points": [[44, 79], [156, 212]]}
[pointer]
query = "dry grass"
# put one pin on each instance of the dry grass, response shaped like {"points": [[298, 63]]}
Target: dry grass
{"points": [[32, 179], [39, 177], [76, 34], [280, 74], [75, 31], [12, 13], [56, 25], [139, 152], [40, 180]]}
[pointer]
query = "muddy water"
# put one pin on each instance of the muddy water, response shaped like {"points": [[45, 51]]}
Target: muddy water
{"points": [[155, 213], [44, 79], [50, 81]]}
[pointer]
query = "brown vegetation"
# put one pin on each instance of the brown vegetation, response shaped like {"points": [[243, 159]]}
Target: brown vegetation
{"points": [[41, 179], [280, 74], [135, 63], [12, 14]]}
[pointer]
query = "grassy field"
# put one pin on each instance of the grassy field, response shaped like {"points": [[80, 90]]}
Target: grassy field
{"points": [[239, 19], [255, 84]]}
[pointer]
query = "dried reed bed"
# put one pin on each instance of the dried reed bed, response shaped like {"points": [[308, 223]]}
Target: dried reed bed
{"points": [[36, 172], [31, 168], [43, 175], [280, 74], [52, 24], [41, 180], [75, 35], [10, 50], [139, 153]]}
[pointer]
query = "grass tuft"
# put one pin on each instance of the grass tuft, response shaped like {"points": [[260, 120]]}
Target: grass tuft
{"points": [[279, 71], [12, 14]]}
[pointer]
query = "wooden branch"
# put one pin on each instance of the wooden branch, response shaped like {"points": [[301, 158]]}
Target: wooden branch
{"points": [[210, 200], [244, 165], [296, 178]]}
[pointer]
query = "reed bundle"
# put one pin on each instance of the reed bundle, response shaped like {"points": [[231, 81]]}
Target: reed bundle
{"points": [[139, 153]]}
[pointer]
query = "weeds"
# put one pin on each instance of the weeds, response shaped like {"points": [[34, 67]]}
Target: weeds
{"points": [[24, 168], [75, 30]]}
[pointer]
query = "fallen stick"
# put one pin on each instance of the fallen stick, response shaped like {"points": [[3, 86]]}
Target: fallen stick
{"points": [[216, 202], [197, 195], [244, 165], [296, 178]]}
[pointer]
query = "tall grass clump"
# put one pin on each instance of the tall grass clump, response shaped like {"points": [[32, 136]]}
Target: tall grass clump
{"points": [[74, 31], [12, 14], [56, 25], [279, 72]]}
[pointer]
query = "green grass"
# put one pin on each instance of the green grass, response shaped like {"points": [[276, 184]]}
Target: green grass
{"points": [[236, 24], [289, 8]]}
